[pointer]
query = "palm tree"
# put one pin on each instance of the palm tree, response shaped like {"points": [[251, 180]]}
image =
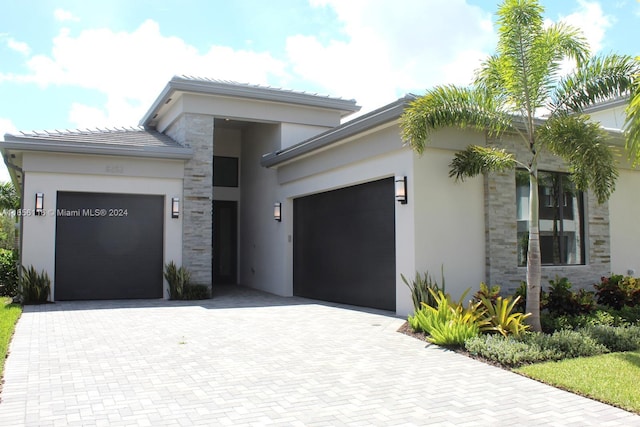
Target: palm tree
{"points": [[9, 197], [511, 88]]}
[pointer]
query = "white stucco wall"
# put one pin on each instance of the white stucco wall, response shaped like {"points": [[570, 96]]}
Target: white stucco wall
{"points": [[624, 225], [611, 118], [49, 173], [293, 133], [449, 223], [262, 240], [247, 109]]}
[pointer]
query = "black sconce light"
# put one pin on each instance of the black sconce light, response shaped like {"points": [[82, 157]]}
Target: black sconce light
{"points": [[277, 211], [401, 189], [39, 204], [175, 207]]}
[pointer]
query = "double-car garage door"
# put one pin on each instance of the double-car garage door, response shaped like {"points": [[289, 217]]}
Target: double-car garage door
{"points": [[108, 246], [344, 245]]}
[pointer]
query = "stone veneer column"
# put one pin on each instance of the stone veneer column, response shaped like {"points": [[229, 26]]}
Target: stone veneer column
{"points": [[501, 230], [196, 131]]}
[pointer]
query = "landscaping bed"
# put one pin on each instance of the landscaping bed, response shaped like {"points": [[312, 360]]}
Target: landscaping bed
{"points": [[595, 332]]}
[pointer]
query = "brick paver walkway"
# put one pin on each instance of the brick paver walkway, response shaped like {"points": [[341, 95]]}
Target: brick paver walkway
{"points": [[248, 358]]}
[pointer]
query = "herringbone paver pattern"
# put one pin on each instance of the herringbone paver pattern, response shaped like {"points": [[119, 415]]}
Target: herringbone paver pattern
{"points": [[248, 358]]}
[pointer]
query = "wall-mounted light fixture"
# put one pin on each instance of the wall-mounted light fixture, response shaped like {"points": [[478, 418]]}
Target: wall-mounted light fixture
{"points": [[39, 204], [175, 207], [277, 211], [401, 189]]}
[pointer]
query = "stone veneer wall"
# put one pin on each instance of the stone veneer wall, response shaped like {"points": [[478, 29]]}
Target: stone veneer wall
{"points": [[501, 233], [196, 131]]}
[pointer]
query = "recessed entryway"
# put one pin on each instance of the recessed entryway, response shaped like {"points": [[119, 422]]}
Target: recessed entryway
{"points": [[225, 242]]}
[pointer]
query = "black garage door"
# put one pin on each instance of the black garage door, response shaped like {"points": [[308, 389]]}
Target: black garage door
{"points": [[108, 246], [344, 246]]}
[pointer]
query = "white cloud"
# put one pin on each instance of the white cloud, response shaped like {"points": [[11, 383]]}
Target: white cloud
{"points": [[590, 18], [391, 50], [64, 15], [18, 46], [132, 68]]}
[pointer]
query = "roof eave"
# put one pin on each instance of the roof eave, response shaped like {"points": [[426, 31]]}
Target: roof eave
{"points": [[179, 84], [13, 143], [166, 93], [379, 117]]}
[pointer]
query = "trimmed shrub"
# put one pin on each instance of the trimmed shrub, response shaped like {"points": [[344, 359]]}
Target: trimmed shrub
{"points": [[509, 351], [568, 343], [8, 273], [614, 338], [629, 314], [537, 347], [551, 323], [195, 292]]}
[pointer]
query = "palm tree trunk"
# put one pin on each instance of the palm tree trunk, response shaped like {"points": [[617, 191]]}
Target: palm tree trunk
{"points": [[534, 264]]}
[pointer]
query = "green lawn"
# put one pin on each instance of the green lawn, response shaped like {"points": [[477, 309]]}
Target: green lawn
{"points": [[9, 314], [611, 378]]}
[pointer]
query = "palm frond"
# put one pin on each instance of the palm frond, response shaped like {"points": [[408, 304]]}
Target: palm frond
{"points": [[451, 106], [632, 123], [602, 78], [582, 144], [476, 160]]}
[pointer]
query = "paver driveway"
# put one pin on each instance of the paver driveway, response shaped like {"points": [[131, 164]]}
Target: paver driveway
{"points": [[248, 358]]}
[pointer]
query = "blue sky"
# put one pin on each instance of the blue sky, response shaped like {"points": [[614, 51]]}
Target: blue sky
{"points": [[85, 64]]}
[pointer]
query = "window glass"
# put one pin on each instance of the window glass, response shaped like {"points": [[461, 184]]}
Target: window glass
{"points": [[561, 214], [225, 171]]}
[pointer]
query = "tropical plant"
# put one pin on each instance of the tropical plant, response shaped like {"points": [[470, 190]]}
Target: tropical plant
{"points": [[490, 292], [511, 88], [34, 287], [618, 291], [178, 278], [448, 323], [9, 202], [9, 197], [420, 288], [500, 317], [561, 300]]}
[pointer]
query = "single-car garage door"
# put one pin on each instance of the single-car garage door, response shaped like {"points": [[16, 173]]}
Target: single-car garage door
{"points": [[108, 246], [344, 245]]}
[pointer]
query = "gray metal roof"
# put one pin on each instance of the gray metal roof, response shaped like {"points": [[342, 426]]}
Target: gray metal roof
{"points": [[137, 142], [207, 86], [385, 114]]}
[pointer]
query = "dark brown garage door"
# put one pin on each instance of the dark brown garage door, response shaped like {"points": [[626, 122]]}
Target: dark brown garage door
{"points": [[108, 246], [344, 245]]}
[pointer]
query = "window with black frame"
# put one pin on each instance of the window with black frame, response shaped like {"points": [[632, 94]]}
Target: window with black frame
{"points": [[225, 171], [561, 218]]}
